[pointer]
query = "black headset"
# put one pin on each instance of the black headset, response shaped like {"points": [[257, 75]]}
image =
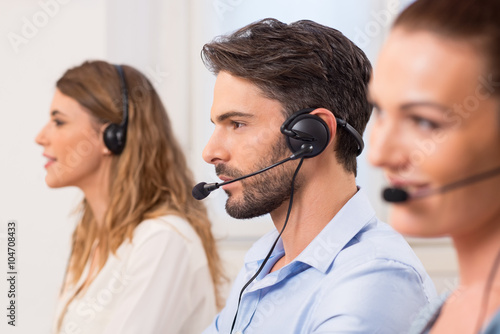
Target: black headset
{"points": [[303, 128], [115, 135]]}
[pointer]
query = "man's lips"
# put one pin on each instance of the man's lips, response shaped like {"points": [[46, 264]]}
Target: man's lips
{"points": [[224, 178]]}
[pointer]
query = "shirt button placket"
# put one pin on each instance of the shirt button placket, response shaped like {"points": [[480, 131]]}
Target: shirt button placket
{"points": [[249, 301]]}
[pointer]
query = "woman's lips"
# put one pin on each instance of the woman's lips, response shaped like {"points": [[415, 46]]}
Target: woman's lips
{"points": [[413, 187], [50, 161]]}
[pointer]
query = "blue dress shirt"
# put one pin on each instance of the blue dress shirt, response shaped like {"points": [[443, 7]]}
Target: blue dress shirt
{"points": [[357, 276]]}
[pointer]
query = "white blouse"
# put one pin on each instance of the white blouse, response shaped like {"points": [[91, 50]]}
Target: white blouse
{"points": [[158, 283]]}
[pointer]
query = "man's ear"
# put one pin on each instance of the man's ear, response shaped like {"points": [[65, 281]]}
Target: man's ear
{"points": [[329, 118]]}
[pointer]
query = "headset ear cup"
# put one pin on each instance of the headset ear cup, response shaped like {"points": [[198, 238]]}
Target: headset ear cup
{"points": [[114, 138], [115, 135], [308, 129]]}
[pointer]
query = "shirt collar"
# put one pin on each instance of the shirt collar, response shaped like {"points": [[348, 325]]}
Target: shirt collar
{"points": [[321, 252]]}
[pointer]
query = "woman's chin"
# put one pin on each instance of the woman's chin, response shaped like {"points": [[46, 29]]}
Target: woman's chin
{"points": [[54, 184], [414, 225]]}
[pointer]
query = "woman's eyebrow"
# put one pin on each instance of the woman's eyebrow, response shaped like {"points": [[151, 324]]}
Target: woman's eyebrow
{"points": [[427, 104]]}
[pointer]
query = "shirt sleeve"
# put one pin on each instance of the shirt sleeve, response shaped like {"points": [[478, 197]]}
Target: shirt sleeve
{"points": [[158, 282], [379, 296]]}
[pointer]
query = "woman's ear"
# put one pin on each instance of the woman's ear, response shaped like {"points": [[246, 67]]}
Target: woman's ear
{"points": [[105, 149], [329, 118]]}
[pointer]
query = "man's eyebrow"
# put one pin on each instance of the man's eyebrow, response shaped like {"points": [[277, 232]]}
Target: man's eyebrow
{"points": [[428, 104], [223, 117]]}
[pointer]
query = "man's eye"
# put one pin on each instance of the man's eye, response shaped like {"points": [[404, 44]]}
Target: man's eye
{"points": [[236, 125]]}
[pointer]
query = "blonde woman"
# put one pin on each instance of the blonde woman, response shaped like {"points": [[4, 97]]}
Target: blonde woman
{"points": [[143, 258]]}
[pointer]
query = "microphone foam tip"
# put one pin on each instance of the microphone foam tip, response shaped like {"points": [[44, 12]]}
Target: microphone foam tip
{"points": [[395, 195]]}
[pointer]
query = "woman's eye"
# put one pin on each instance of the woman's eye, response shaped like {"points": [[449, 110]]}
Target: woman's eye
{"points": [[425, 124], [58, 122], [378, 113]]}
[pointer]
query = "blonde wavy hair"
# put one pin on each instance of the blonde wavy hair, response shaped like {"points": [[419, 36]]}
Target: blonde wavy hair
{"points": [[150, 178]]}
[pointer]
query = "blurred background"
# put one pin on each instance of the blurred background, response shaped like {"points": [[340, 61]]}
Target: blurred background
{"points": [[41, 39]]}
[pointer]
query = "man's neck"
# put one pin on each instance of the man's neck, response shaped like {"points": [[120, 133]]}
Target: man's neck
{"points": [[323, 193]]}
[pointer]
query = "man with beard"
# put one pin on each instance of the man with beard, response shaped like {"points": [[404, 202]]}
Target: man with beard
{"points": [[335, 268]]}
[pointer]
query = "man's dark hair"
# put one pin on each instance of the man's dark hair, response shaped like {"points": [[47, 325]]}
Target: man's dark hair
{"points": [[302, 65]]}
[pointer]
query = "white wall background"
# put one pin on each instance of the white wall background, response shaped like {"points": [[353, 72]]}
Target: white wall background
{"points": [[163, 39]]}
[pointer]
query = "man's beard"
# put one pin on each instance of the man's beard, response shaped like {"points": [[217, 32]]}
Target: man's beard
{"points": [[262, 193]]}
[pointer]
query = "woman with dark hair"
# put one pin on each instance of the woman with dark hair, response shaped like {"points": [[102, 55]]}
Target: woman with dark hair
{"points": [[143, 258], [436, 134]]}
